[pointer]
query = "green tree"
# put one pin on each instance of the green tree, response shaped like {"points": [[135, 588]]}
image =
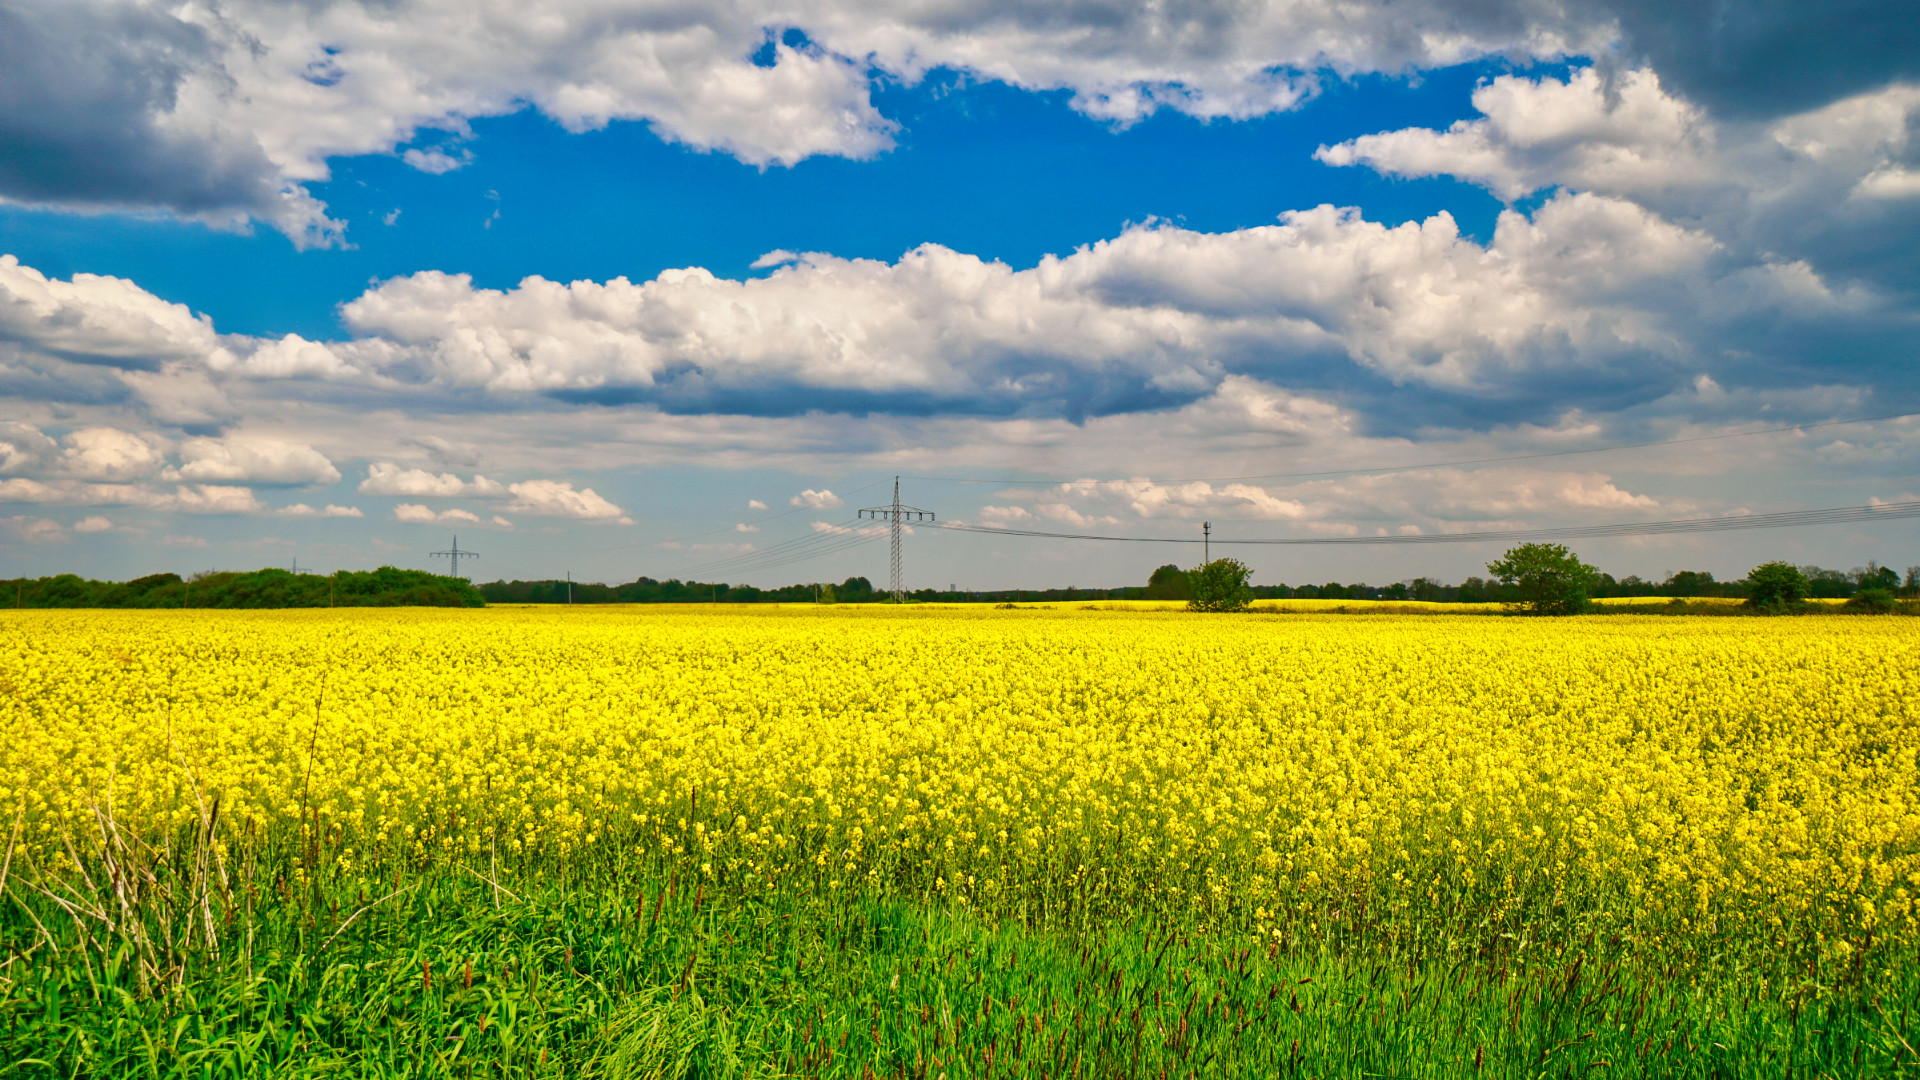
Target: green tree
{"points": [[1551, 579], [1777, 586], [1220, 585], [826, 594], [1875, 576], [1169, 583]]}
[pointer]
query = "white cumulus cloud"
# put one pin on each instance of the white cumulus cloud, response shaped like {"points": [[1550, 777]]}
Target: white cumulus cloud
{"points": [[1535, 133], [558, 498], [415, 514], [254, 458], [386, 478], [103, 453], [817, 500], [330, 510]]}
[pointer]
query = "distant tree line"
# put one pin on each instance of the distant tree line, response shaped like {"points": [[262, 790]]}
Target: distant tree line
{"points": [[1170, 583], [269, 588], [392, 587], [645, 590]]}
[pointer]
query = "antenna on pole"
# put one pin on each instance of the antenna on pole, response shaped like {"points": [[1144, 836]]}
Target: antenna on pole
{"points": [[1206, 542], [893, 515], [569, 586], [456, 555]]}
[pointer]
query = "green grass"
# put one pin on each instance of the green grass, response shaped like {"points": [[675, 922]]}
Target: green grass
{"points": [[627, 977]]}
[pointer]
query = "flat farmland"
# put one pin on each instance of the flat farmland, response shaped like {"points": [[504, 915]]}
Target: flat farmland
{"points": [[963, 841]]}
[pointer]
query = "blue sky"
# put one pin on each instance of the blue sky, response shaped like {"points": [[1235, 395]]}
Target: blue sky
{"points": [[650, 294], [982, 168]]}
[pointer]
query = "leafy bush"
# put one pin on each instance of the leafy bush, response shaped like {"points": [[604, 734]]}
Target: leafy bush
{"points": [[1776, 586], [1871, 601], [1220, 585], [1551, 579]]}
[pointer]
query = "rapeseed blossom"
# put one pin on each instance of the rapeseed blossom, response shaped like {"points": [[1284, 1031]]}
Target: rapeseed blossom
{"points": [[1664, 779]]}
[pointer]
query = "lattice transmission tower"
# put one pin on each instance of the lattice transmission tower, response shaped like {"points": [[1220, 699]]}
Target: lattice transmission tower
{"points": [[456, 555], [894, 514]]}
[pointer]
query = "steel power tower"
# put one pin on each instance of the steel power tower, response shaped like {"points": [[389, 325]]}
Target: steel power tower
{"points": [[894, 515], [456, 555]]}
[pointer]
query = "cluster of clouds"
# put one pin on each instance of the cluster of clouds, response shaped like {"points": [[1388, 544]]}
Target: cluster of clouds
{"points": [[1423, 502], [107, 466], [1591, 294], [1688, 221], [542, 498], [226, 113], [1715, 202], [1837, 186]]}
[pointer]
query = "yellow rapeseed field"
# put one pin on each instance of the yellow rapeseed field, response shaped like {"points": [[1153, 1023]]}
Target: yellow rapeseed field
{"points": [[1660, 779]]}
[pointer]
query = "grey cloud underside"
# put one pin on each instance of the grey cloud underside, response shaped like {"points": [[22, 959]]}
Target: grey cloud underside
{"points": [[226, 113], [1766, 58], [83, 90], [1035, 392]]}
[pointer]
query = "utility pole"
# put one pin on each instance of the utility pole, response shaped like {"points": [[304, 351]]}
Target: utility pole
{"points": [[456, 555], [894, 514], [569, 587], [1206, 542], [295, 568]]}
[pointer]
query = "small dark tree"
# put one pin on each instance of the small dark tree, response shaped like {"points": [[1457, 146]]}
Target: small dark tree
{"points": [[1551, 579], [1169, 583], [1220, 585], [1872, 601], [1690, 583], [1776, 587]]}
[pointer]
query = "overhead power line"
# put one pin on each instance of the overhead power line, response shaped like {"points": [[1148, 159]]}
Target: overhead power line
{"points": [[1787, 519], [1415, 466], [833, 538], [827, 546], [895, 514]]}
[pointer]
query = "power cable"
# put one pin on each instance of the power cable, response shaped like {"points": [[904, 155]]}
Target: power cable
{"points": [[509, 540], [798, 547], [1429, 464], [1786, 519]]}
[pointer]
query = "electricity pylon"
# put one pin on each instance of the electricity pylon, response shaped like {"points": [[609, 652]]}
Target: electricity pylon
{"points": [[893, 515], [456, 555]]}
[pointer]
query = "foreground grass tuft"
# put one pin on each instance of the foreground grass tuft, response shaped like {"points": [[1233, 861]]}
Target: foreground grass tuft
{"points": [[640, 981]]}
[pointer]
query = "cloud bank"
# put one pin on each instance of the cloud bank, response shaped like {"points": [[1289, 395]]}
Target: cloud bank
{"points": [[227, 114]]}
